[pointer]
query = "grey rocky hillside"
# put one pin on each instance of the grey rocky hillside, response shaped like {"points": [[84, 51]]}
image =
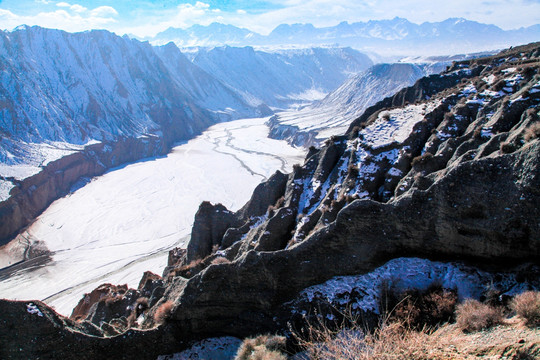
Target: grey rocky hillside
{"points": [[314, 123], [447, 169]]}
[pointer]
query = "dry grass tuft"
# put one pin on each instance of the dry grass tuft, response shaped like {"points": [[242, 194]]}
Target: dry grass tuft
{"points": [[390, 341], [163, 312], [473, 315], [422, 159], [220, 260], [263, 347], [417, 309], [527, 306], [532, 132]]}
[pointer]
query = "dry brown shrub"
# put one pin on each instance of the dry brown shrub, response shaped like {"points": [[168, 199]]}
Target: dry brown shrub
{"points": [[422, 159], [473, 315], [390, 341], [191, 265], [385, 116], [220, 260], [532, 132], [263, 347], [527, 306], [163, 312], [507, 148], [417, 309]]}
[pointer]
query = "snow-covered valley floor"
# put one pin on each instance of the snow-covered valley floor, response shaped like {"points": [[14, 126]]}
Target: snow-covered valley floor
{"points": [[123, 223]]}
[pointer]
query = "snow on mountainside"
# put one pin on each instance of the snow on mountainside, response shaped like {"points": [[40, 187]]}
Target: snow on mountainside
{"points": [[281, 78], [206, 90], [333, 114], [388, 37], [60, 89]]}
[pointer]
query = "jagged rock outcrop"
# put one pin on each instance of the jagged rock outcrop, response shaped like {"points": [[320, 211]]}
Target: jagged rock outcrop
{"points": [[210, 223], [33, 330], [445, 170], [378, 193]]}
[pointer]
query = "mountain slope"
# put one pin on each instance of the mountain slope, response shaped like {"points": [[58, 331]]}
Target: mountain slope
{"points": [[388, 37], [207, 91], [75, 105], [333, 114], [84, 87], [281, 78]]}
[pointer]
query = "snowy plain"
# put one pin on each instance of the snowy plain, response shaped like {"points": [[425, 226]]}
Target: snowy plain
{"points": [[123, 223]]}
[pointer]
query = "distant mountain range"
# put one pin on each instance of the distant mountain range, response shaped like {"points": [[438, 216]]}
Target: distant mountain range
{"points": [[281, 78], [396, 36]]}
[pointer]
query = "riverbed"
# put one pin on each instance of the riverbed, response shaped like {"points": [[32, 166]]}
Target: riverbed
{"points": [[123, 223]]}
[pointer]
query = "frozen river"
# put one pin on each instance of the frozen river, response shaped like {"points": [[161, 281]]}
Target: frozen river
{"points": [[124, 222]]}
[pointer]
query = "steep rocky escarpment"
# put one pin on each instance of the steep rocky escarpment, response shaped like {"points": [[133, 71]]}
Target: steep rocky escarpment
{"points": [[446, 170], [32, 195]]}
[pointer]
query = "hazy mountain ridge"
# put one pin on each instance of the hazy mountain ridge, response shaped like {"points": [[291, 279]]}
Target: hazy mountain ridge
{"points": [[281, 78], [393, 36]]}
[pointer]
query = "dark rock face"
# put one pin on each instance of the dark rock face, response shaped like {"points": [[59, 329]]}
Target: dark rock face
{"points": [[210, 224], [31, 330], [453, 177]]}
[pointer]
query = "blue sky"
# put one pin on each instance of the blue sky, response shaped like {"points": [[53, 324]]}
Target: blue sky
{"points": [[147, 17]]}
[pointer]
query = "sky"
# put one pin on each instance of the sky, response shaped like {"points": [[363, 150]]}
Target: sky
{"points": [[145, 18]]}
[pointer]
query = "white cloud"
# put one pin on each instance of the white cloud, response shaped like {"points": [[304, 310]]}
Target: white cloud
{"points": [[75, 18], [104, 11], [78, 8], [507, 14]]}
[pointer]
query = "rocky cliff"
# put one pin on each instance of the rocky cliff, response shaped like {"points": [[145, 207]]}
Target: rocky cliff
{"points": [[32, 195], [446, 170]]}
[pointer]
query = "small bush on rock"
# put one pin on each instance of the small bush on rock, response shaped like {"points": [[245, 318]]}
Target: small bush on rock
{"points": [[163, 312], [473, 315], [527, 306], [423, 159], [220, 260], [507, 148], [532, 132], [416, 309], [263, 347]]}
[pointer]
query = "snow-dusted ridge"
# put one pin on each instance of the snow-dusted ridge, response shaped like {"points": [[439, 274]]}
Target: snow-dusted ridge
{"points": [[388, 37], [312, 124]]}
